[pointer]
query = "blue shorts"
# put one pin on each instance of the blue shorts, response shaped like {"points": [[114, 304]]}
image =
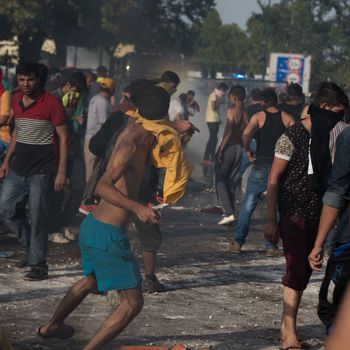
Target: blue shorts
{"points": [[105, 251]]}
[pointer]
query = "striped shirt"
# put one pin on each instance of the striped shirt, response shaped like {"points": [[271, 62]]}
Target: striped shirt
{"points": [[36, 149]]}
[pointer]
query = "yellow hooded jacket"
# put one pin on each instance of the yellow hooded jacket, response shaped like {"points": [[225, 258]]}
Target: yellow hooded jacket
{"points": [[168, 153]]}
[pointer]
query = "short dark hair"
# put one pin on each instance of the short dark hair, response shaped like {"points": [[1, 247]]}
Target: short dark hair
{"points": [[294, 91], [269, 96], [78, 80], [137, 88], [170, 77], [283, 97], [101, 71], [191, 92], [222, 86], [90, 74], [183, 97], [238, 91], [256, 94], [331, 94], [28, 68], [153, 103]]}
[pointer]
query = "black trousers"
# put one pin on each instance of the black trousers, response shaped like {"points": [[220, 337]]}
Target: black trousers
{"points": [[213, 140], [64, 205]]}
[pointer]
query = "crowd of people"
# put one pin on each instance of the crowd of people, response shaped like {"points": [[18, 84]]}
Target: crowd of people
{"points": [[68, 146]]}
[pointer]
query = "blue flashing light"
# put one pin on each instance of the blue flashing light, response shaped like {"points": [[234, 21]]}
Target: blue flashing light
{"points": [[238, 76]]}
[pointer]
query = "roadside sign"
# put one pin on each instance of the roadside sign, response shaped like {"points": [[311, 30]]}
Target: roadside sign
{"points": [[290, 68]]}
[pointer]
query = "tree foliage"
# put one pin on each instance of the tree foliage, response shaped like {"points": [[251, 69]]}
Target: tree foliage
{"points": [[153, 25], [319, 28], [221, 47]]}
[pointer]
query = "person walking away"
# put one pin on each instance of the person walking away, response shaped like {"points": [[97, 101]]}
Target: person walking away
{"points": [[213, 120], [255, 105], [268, 125], [229, 156], [295, 101]]}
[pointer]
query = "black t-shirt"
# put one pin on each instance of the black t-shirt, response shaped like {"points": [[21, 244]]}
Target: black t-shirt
{"points": [[253, 109]]}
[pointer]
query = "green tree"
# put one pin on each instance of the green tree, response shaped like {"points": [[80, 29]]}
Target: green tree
{"points": [[168, 25], [311, 27], [221, 47], [153, 25], [90, 23]]}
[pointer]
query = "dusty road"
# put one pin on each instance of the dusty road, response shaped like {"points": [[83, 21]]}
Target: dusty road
{"points": [[216, 298]]}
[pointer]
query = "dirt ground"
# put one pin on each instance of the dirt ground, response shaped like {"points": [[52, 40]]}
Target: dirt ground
{"points": [[215, 298]]}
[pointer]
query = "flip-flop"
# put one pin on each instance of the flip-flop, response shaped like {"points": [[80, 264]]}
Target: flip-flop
{"points": [[64, 331]]}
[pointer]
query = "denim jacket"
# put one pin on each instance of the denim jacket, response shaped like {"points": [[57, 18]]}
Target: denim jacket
{"points": [[338, 192]]}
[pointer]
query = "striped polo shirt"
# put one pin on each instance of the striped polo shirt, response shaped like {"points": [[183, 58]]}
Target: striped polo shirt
{"points": [[36, 149]]}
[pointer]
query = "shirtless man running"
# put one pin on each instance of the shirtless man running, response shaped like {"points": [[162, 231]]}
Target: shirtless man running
{"points": [[229, 156], [107, 260]]}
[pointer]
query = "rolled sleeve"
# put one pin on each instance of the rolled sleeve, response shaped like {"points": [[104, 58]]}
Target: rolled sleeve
{"points": [[284, 148], [334, 200]]}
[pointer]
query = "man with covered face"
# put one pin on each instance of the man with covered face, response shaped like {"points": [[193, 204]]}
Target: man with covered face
{"points": [[297, 182]]}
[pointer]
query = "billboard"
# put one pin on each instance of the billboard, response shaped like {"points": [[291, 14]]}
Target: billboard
{"points": [[290, 68]]}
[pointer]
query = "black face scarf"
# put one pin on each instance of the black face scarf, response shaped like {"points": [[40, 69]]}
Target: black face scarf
{"points": [[322, 121]]}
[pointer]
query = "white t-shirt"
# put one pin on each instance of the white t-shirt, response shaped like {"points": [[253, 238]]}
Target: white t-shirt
{"points": [[175, 108]]}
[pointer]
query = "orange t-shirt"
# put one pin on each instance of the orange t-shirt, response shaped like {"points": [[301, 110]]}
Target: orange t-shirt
{"points": [[5, 111]]}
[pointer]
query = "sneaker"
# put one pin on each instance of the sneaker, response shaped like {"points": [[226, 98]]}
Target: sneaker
{"points": [[22, 263], [227, 219], [36, 274], [234, 247], [69, 234], [58, 237], [274, 252], [86, 209], [152, 285]]}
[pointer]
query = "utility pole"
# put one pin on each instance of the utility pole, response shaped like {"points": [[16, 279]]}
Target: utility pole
{"points": [[267, 38]]}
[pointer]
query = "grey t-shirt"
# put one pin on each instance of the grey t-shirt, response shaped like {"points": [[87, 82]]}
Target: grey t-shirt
{"points": [[99, 110]]}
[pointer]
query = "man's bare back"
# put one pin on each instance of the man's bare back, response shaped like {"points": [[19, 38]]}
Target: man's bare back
{"points": [[119, 186], [239, 118]]}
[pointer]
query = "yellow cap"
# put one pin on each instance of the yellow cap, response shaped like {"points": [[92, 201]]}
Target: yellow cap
{"points": [[108, 82]]}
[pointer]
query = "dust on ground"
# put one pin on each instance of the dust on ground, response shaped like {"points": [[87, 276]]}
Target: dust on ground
{"points": [[215, 298]]}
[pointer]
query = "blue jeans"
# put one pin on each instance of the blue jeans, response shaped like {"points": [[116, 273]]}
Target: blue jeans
{"points": [[257, 185], [245, 161], [32, 234]]}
